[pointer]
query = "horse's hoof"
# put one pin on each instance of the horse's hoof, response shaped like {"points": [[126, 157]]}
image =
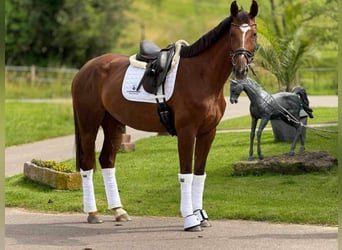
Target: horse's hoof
{"points": [[193, 229], [202, 217], [205, 223], [251, 158], [261, 157], [291, 153], [192, 223], [121, 215], [301, 149], [94, 219]]}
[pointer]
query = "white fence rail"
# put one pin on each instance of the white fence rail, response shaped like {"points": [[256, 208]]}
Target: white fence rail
{"points": [[38, 75]]}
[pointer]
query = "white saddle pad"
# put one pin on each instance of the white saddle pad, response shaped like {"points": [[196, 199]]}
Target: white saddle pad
{"points": [[132, 79]]}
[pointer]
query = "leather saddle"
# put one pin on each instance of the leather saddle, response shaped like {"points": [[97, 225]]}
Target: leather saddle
{"points": [[158, 64], [148, 51]]}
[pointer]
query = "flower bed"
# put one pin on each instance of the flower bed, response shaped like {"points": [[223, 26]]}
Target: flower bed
{"points": [[56, 175]]}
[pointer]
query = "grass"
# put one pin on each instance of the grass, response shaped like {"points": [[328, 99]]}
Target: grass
{"points": [[148, 184], [28, 122], [24, 90]]}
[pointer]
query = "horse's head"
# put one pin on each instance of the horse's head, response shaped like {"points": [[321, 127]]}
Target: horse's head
{"points": [[236, 88], [243, 38]]}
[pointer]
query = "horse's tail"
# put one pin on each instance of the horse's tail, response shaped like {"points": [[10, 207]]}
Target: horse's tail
{"points": [[78, 146], [300, 91]]}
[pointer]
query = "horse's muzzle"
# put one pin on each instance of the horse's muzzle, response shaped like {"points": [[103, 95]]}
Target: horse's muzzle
{"points": [[240, 71], [233, 100]]}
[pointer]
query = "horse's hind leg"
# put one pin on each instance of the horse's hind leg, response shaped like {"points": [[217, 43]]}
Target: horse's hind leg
{"points": [[302, 142], [294, 142], [112, 130], [86, 132]]}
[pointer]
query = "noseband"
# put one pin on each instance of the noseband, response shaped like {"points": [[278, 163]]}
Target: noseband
{"points": [[249, 55]]}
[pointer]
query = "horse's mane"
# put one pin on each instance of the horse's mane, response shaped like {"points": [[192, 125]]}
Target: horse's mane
{"points": [[207, 40], [254, 83]]}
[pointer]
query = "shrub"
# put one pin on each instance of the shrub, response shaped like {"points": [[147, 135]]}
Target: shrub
{"points": [[57, 166]]}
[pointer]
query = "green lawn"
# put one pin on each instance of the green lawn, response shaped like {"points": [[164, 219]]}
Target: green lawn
{"points": [[29, 122]]}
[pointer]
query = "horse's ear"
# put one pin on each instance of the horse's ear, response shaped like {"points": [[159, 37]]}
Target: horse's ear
{"points": [[254, 9], [234, 9]]}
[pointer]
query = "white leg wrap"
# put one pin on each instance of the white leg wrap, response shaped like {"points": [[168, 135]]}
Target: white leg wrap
{"points": [[197, 191], [111, 187], [89, 202], [186, 201]]}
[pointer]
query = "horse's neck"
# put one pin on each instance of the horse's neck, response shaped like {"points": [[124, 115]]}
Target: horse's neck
{"points": [[257, 95], [216, 64]]}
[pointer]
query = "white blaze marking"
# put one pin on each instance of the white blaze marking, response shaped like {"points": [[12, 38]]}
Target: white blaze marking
{"points": [[244, 28]]}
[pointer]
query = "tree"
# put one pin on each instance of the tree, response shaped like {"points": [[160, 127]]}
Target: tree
{"points": [[67, 32]]}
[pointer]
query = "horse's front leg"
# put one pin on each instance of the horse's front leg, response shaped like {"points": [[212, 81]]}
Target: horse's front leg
{"points": [[186, 140], [251, 138], [263, 124], [203, 145]]}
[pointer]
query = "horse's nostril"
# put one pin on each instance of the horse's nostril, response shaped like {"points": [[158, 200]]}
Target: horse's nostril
{"points": [[233, 100], [243, 70]]}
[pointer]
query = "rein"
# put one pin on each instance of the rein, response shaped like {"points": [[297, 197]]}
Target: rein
{"points": [[290, 117], [281, 109]]}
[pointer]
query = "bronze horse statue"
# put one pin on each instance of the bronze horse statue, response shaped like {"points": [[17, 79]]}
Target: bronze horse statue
{"points": [[197, 103], [283, 105]]}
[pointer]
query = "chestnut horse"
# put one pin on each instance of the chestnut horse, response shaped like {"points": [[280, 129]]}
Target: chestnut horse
{"points": [[197, 103]]}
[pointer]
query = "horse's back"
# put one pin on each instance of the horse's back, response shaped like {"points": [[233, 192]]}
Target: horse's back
{"points": [[98, 68], [93, 76], [286, 97], [289, 101]]}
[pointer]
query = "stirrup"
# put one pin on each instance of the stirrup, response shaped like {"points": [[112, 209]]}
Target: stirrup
{"points": [[192, 224], [202, 217]]}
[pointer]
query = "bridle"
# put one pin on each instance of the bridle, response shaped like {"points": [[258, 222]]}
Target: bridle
{"points": [[249, 55]]}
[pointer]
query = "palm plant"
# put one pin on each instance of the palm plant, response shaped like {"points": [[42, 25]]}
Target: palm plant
{"points": [[285, 49]]}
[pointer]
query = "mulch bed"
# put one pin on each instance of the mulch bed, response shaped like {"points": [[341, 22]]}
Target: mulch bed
{"points": [[308, 161]]}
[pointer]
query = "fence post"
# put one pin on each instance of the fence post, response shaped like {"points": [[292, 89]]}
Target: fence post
{"points": [[33, 74]]}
